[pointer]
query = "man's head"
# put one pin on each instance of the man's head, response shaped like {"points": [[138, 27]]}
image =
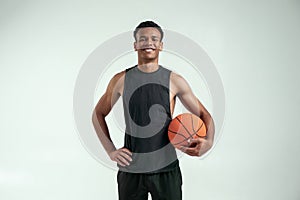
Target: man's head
{"points": [[147, 24], [148, 41]]}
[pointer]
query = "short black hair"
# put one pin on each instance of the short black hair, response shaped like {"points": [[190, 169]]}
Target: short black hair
{"points": [[146, 24]]}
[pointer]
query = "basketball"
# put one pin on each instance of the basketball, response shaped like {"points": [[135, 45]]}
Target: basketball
{"points": [[185, 127]]}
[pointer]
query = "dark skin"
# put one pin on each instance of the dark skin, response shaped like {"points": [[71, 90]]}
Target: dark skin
{"points": [[148, 45]]}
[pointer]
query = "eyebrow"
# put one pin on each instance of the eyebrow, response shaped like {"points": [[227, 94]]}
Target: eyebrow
{"points": [[153, 36]]}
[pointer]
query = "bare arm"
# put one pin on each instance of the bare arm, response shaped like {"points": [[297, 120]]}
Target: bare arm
{"points": [[192, 103], [102, 109]]}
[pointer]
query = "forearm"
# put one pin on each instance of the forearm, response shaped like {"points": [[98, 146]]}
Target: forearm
{"points": [[102, 131], [210, 127]]}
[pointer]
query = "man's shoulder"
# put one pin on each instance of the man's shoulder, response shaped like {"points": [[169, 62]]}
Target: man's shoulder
{"points": [[119, 75], [118, 78], [175, 76]]}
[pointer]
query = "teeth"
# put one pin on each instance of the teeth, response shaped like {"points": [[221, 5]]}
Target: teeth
{"points": [[148, 50]]}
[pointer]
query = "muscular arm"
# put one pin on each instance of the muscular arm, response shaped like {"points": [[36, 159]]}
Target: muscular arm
{"points": [[101, 110], [192, 103]]}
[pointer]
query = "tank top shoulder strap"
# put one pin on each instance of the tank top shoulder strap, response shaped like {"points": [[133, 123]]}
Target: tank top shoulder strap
{"points": [[130, 68]]}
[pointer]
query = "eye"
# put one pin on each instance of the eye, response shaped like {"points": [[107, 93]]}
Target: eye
{"points": [[141, 39]]}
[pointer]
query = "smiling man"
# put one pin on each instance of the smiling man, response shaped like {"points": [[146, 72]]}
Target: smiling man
{"points": [[148, 162]]}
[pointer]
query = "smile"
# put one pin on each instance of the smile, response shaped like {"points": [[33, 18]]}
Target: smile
{"points": [[148, 49]]}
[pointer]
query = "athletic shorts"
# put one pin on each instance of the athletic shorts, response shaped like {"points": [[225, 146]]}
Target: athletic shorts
{"points": [[161, 186]]}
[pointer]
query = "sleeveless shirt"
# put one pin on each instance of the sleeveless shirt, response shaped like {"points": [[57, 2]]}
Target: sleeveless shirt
{"points": [[146, 103]]}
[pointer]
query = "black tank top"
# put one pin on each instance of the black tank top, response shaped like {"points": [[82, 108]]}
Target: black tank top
{"points": [[146, 103]]}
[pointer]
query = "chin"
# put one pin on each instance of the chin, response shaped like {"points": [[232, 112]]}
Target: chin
{"points": [[149, 57]]}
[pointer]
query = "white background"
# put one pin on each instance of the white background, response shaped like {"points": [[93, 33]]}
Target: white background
{"points": [[254, 45]]}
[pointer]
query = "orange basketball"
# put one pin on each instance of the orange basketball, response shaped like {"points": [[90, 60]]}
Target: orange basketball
{"points": [[184, 127]]}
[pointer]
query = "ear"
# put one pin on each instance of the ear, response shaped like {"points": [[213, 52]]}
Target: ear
{"points": [[161, 45], [134, 46]]}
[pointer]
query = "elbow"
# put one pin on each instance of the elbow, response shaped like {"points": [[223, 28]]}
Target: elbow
{"points": [[94, 117], [97, 115]]}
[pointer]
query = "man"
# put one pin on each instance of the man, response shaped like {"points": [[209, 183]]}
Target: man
{"points": [[148, 162]]}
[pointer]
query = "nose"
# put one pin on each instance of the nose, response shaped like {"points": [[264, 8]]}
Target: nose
{"points": [[149, 42]]}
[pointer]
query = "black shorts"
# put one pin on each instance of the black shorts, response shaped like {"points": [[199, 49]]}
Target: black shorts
{"points": [[163, 185]]}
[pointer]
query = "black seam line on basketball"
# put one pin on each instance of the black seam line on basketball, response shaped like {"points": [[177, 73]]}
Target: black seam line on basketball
{"points": [[189, 138], [181, 141], [178, 134], [199, 128], [184, 126]]}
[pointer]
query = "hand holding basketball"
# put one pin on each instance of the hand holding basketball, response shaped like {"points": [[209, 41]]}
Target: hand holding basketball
{"points": [[197, 147], [187, 132]]}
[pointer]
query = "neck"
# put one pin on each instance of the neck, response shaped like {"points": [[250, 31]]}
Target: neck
{"points": [[148, 67]]}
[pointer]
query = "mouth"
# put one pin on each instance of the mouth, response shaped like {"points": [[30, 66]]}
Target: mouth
{"points": [[148, 49]]}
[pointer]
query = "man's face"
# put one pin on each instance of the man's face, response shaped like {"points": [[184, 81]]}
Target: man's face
{"points": [[148, 43]]}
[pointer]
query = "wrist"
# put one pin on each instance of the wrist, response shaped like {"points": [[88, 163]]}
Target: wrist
{"points": [[209, 142], [110, 153]]}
